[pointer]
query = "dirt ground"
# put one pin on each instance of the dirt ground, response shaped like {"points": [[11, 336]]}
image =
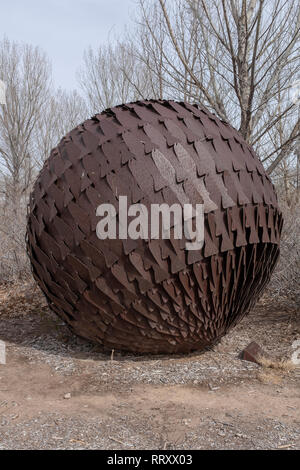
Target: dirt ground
{"points": [[59, 392]]}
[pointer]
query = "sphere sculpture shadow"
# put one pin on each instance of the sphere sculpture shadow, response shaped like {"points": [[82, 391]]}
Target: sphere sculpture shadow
{"points": [[153, 296]]}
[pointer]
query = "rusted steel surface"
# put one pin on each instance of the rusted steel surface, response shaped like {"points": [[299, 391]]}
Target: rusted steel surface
{"points": [[153, 296]]}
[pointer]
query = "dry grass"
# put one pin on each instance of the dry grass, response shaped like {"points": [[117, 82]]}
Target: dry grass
{"points": [[274, 370], [269, 377], [279, 364]]}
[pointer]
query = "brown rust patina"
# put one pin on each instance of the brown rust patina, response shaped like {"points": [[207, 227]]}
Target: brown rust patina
{"points": [[153, 296]]}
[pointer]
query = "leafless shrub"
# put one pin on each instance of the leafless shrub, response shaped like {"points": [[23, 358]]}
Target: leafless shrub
{"points": [[14, 263], [277, 363], [285, 283]]}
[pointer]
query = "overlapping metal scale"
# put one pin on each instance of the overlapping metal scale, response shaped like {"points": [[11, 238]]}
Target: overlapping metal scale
{"points": [[153, 296]]}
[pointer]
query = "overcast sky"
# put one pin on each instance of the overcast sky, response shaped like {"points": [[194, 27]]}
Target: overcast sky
{"points": [[64, 28]]}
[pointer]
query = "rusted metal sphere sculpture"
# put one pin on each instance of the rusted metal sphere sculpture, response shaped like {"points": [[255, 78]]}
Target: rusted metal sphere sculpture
{"points": [[153, 296]]}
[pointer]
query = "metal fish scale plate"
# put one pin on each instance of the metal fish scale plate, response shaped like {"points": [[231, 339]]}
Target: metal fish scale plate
{"points": [[153, 296]]}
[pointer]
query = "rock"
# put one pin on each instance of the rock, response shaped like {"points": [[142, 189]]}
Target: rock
{"points": [[254, 353], [67, 396]]}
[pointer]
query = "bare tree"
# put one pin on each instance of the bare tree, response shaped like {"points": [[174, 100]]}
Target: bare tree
{"points": [[60, 114], [239, 57], [155, 49], [26, 72], [32, 121], [111, 75]]}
